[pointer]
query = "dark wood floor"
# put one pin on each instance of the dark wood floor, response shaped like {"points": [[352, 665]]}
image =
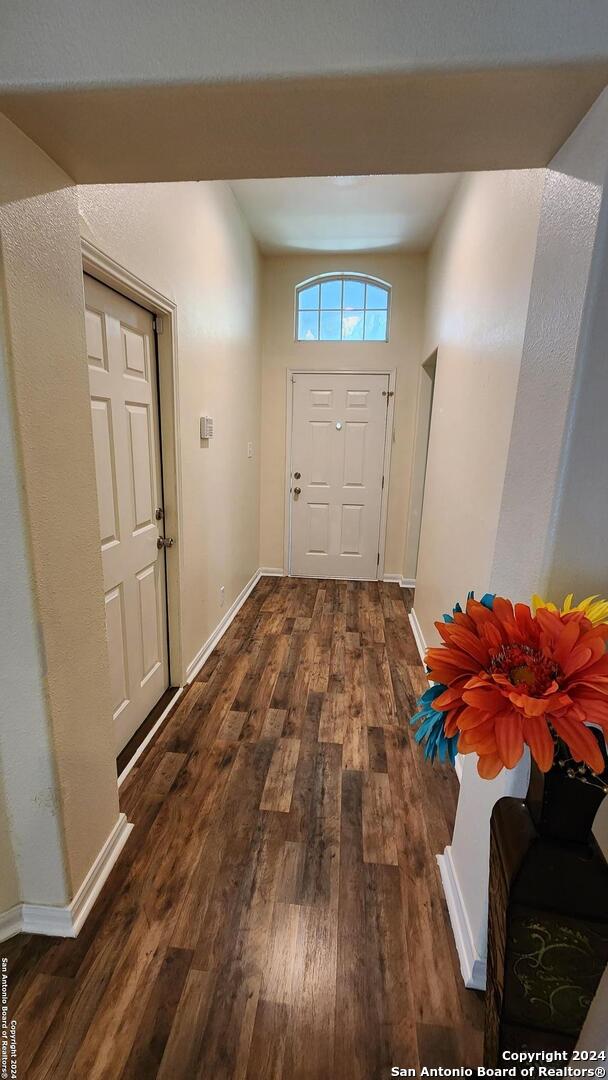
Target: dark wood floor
{"points": [[277, 911]]}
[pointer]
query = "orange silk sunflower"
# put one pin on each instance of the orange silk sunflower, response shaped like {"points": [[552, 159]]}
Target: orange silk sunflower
{"points": [[513, 678]]}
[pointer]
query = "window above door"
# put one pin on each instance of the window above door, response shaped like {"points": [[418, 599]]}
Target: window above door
{"points": [[342, 307]]}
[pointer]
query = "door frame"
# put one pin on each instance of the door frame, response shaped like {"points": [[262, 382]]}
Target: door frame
{"points": [[391, 373], [109, 272]]}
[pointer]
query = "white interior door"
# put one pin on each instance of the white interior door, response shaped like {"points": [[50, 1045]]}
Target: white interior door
{"points": [[124, 405], [338, 439]]}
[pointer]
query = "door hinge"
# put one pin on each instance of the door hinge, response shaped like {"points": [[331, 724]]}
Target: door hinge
{"points": [[158, 324], [378, 560], [383, 483]]}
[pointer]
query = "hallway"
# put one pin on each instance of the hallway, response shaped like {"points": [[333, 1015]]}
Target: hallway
{"points": [[277, 911]]}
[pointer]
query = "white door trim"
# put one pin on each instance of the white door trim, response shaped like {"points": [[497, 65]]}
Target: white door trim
{"points": [[101, 266], [388, 443]]}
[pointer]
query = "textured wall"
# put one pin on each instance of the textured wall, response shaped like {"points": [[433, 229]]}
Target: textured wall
{"points": [[579, 560], [555, 334], [31, 843], [64, 679], [191, 243], [280, 352], [10, 890]]}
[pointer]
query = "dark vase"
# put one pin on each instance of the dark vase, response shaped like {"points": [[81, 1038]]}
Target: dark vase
{"points": [[548, 911], [563, 802]]}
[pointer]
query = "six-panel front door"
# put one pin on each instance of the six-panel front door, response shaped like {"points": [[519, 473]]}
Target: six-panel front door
{"points": [[123, 383], [337, 460]]}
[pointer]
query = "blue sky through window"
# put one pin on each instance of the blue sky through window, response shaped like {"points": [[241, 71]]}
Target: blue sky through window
{"points": [[342, 308]]}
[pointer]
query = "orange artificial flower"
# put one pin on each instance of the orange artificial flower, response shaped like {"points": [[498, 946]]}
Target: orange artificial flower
{"points": [[514, 678]]}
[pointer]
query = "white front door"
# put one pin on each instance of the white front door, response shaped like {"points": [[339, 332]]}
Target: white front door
{"points": [[337, 462], [124, 405]]}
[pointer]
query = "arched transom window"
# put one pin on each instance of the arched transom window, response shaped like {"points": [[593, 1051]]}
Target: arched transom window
{"points": [[342, 307]]}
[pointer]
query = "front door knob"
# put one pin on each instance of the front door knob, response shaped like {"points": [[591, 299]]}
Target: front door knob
{"points": [[297, 491]]}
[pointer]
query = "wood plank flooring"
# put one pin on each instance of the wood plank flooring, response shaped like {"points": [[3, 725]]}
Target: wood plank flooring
{"points": [[277, 912]]}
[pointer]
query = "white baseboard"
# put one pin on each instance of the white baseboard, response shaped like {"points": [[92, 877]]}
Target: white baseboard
{"points": [[148, 739], [66, 921], [404, 582], [418, 635], [472, 965], [205, 652], [99, 872]]}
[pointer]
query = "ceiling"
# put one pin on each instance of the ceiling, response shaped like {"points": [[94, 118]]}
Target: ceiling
{"points": [[411, 121], [345, 213]]}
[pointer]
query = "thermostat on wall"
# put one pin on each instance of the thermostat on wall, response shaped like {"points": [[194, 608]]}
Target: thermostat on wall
{"points": [[206, 427]]}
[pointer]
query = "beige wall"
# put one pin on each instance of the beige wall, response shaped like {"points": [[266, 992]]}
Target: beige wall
{"points": [[580, 525], [480, 271], [545, 323], [31, 840], [190, 242], [281, 274], [544, 463], [62, 805], [10, 890]]}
